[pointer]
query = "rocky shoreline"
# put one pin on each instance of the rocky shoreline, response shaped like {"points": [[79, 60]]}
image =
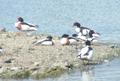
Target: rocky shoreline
{"points": [[21, 59]]}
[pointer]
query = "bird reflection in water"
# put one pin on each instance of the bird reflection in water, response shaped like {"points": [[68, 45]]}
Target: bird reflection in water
{"points": [[87, 73]]}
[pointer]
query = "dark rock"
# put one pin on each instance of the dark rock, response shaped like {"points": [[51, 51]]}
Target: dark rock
{"points": [[9, 61], [69, 66]]}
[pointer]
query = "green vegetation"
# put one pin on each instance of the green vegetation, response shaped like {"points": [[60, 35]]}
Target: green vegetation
{"points": [[53, 72], [21, 75], [17, 75]]}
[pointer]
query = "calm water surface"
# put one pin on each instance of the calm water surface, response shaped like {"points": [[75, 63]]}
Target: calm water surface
{"points": [[106, 72], [57, 16]]}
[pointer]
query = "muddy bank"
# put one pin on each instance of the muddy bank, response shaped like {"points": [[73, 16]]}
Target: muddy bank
{"points": [[21, 59]]}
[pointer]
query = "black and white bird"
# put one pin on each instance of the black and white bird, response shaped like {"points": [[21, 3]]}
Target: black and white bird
{"points": [[47, 41], [23, 26], [86, 52], [73, 39], [85, 33], [81, 30], [92, 36], [64, 39]]}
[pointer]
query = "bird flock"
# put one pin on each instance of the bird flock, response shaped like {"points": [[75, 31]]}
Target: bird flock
{"points": [[82, 34]]}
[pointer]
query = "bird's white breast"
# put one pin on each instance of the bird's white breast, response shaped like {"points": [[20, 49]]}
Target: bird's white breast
{"points": [[47, 43]]}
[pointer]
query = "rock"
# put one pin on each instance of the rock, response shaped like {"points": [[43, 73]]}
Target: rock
{"points": [[9, 61], [36, 63], [106, 61], [31, 49], [70, 66], [35, 68], [15, 68]]}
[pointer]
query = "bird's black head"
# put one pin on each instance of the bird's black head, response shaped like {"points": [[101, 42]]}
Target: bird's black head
{"points": [[74, 35], [20, 19], [49, 37], [91, 33], [77, 24], [65, 35], [88, 43]]}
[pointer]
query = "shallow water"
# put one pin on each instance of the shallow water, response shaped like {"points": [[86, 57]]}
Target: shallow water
{"points": [[57, 16], [106, 72]]}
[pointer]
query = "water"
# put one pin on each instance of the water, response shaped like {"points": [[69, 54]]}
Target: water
{"points": [[106, 72], [57, 16]]}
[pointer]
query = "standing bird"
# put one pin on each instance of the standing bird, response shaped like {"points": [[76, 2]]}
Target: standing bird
{"points": [[22, 26], [86, 52], [47, 41], [81, 30], [85, 33]]}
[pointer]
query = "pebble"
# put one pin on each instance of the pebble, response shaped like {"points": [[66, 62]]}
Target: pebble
{"points": [[106, 61]]}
